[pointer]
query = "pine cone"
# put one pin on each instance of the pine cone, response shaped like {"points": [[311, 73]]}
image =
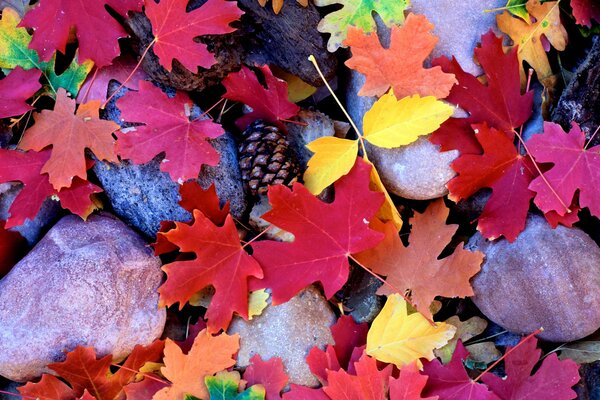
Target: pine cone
{"points": [[266, 159]]}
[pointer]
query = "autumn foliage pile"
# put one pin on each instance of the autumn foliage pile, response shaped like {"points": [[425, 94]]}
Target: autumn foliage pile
{"points": [[393, 357]]}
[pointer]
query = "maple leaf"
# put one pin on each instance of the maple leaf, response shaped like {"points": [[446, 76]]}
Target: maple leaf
{"points": [[174, 30], [96, 30], [84, 372], [69, 135], [393, 123], [505, 171], [575, 168], [268, 373], [451, 381], [225, 386], [401, 65], [17, 166], [369, 383], [585, 11], [278, 4], [388, 211], [167, 129], [499, 103], [333, 158], [398, 338], [17, 87], [417, 266], [208, 355], [358, 13], [12, 247], [321, 246], [527, 36], [298, 392], [269, 104], [553, 379], [220, 261], [409, 385]]}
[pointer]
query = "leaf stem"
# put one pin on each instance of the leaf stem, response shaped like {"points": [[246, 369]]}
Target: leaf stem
{"points": [[87, 91], [591, 138], [529, 75]]}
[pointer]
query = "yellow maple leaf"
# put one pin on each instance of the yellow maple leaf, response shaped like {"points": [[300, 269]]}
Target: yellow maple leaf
{"points": [[398, 338], [209, 354], [527, 36], [388, 211], [257, 302], [393, 123], [333, 158]]}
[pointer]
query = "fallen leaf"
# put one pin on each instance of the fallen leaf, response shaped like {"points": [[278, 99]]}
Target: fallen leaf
{"points": [[167, 129], [388, 211], [333, 158], [48, 388], [270, 374], [409, 384], [465, 330], [14, 42], [268, 103], [69, 135], [417, 267], [584, 352], [400, 66], [225, 385], [17, 87], [257, 302], [400, 339], [70, 79], [208, 355], [12, 247], [95, 86], [298, 392], [585, 11], [369, 383], [359, 14], [174, 30], [320, 250]]}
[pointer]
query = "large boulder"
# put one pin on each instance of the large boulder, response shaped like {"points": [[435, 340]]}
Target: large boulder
{"points": [[546, 278], [85, 283]]}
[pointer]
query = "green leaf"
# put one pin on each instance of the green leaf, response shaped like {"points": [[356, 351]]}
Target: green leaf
{"points": [[358, 13], [14, 42], [224, 386], [517, 7], [71, 79]]}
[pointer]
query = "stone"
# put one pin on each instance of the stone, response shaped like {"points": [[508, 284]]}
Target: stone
{"points": [[31, 230], [88, 283], [359, 295], [418, 171], [317, 125], [289, 330], [459, 26], [546, 278]]}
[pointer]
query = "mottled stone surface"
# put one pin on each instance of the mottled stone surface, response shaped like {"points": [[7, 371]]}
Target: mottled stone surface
{"points": [[459, 26], [288, 331], [418, 171], [547, 278], [85, 283]]}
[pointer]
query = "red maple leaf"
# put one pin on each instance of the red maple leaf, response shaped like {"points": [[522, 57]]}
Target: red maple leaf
{"points": [[505, 171], [12, 247], [17, 166], [369, 383], [268, 373], [575, 169], [220, 261], [325, 235], [451, 381], [298, 392], [585, 11], [409, 384], [84, 372], [270, 104], [552, 380], [175, 29], [96, 30], [499, 102], [18, 86], [167, 129]]}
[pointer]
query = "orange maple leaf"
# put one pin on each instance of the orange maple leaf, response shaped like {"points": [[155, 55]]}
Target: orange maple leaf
{"points": [[209, 354], [401, 65], [417, 267], [69, 135]]}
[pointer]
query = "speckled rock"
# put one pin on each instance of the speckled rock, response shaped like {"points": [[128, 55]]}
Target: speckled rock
{"points": [[418, 171], [31, 230], [459, 26], [85, 283], [288, 331], [547, 278]]}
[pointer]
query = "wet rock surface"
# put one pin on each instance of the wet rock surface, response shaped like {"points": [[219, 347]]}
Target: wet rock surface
{"points": [[547, 278], [85, 283], [288, 331]]}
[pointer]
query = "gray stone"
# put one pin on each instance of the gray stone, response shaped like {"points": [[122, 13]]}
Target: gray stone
{"points": [[459, 26], [88, 283], [418, 171], [546, 278], [289, 330], [317, 125], [143, 196], [359, 296], [31, 230]]}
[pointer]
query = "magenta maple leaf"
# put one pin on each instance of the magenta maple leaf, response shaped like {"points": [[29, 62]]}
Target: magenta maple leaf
{"points": [[18, 86]]}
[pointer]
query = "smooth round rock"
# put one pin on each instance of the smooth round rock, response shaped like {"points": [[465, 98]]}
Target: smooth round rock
{"points": [[88, 283], [418, 171], [546, 278], [289, 330]]}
